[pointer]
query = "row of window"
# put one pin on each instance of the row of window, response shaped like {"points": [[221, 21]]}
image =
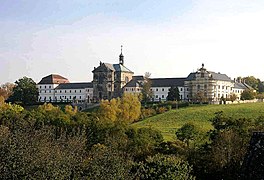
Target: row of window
{"points": [[163, 96], [62, 97], [181, 89], [70, 91], [44, 87]]}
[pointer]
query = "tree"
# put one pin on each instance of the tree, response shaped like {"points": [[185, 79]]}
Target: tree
{"points": [[187, 133], [248, 94], [147, 94], [6, 90], [252, 81], [200, 97], [164, 167], [173, 94], [127, 109], [25, 92], [233, 97]]}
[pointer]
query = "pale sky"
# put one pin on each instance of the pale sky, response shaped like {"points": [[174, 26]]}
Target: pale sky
{"points": [[168, 38]]}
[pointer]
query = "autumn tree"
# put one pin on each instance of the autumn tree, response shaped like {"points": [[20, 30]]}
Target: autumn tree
{"points": [[6, 90], [25, 92], [147, 94], [173, 94], [127, 109], [130, 108]]}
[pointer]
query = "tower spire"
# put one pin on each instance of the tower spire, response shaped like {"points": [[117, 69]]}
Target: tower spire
{"points": [[121, 56]]}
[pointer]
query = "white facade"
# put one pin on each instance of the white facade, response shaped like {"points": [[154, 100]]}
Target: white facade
{"points": [[161, 93], [46, 92], [212, 86], [77, 95]]}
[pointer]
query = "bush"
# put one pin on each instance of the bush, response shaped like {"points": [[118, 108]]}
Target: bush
{"points": [[161, 110], [164, 167]]}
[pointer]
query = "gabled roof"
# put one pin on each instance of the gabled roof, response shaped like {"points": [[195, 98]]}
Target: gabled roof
{"points": [[135, 81], [113, 67], [75, 85], [53, 79], [167, 82]]}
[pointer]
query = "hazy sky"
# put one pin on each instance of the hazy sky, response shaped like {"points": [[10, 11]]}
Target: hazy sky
{"points": [[168, 38]]}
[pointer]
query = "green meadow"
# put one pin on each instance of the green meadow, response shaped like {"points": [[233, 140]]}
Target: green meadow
{"points": [[170, 121]]}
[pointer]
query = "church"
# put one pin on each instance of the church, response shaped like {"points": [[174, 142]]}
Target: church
{"points": [[109, 79], [112, 80]]}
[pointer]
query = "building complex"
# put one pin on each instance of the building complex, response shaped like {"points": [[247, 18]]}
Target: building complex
{"points": [[112, 80]]}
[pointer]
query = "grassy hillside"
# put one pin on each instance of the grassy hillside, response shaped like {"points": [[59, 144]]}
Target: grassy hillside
{"points": [[170, 121]]}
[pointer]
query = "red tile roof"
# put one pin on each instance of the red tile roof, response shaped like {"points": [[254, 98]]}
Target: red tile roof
{"points": [[53, 79]]}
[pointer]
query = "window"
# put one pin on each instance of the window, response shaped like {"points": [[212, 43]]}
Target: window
{"points": [[181, 89], [50, 91], [162, 89], [70, 97], [40, 91], [88, 90], [223, 87], [219, 87], [55, 91], [70, 92], [157, 96], [187, 89], [162, 96], [45, 91], [49, 86], [181, 96], [202, 75], [45, 87], [75, 91], [132, 89], [157, 89], [80, 90], [80, 97], [126, 89], [198, 87], [65, 91], [39, 87], [60, 91]]}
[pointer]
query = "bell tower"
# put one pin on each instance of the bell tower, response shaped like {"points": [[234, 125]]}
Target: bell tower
{"points": [[121, 57]]}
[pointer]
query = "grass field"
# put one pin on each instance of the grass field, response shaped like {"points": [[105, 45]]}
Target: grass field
{"points": [[170, 121]]}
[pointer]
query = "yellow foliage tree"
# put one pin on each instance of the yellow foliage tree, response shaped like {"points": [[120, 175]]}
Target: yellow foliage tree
{"points": [[2, 101], [109, 110], [130, 108], [70, 110], [127, 109]]}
